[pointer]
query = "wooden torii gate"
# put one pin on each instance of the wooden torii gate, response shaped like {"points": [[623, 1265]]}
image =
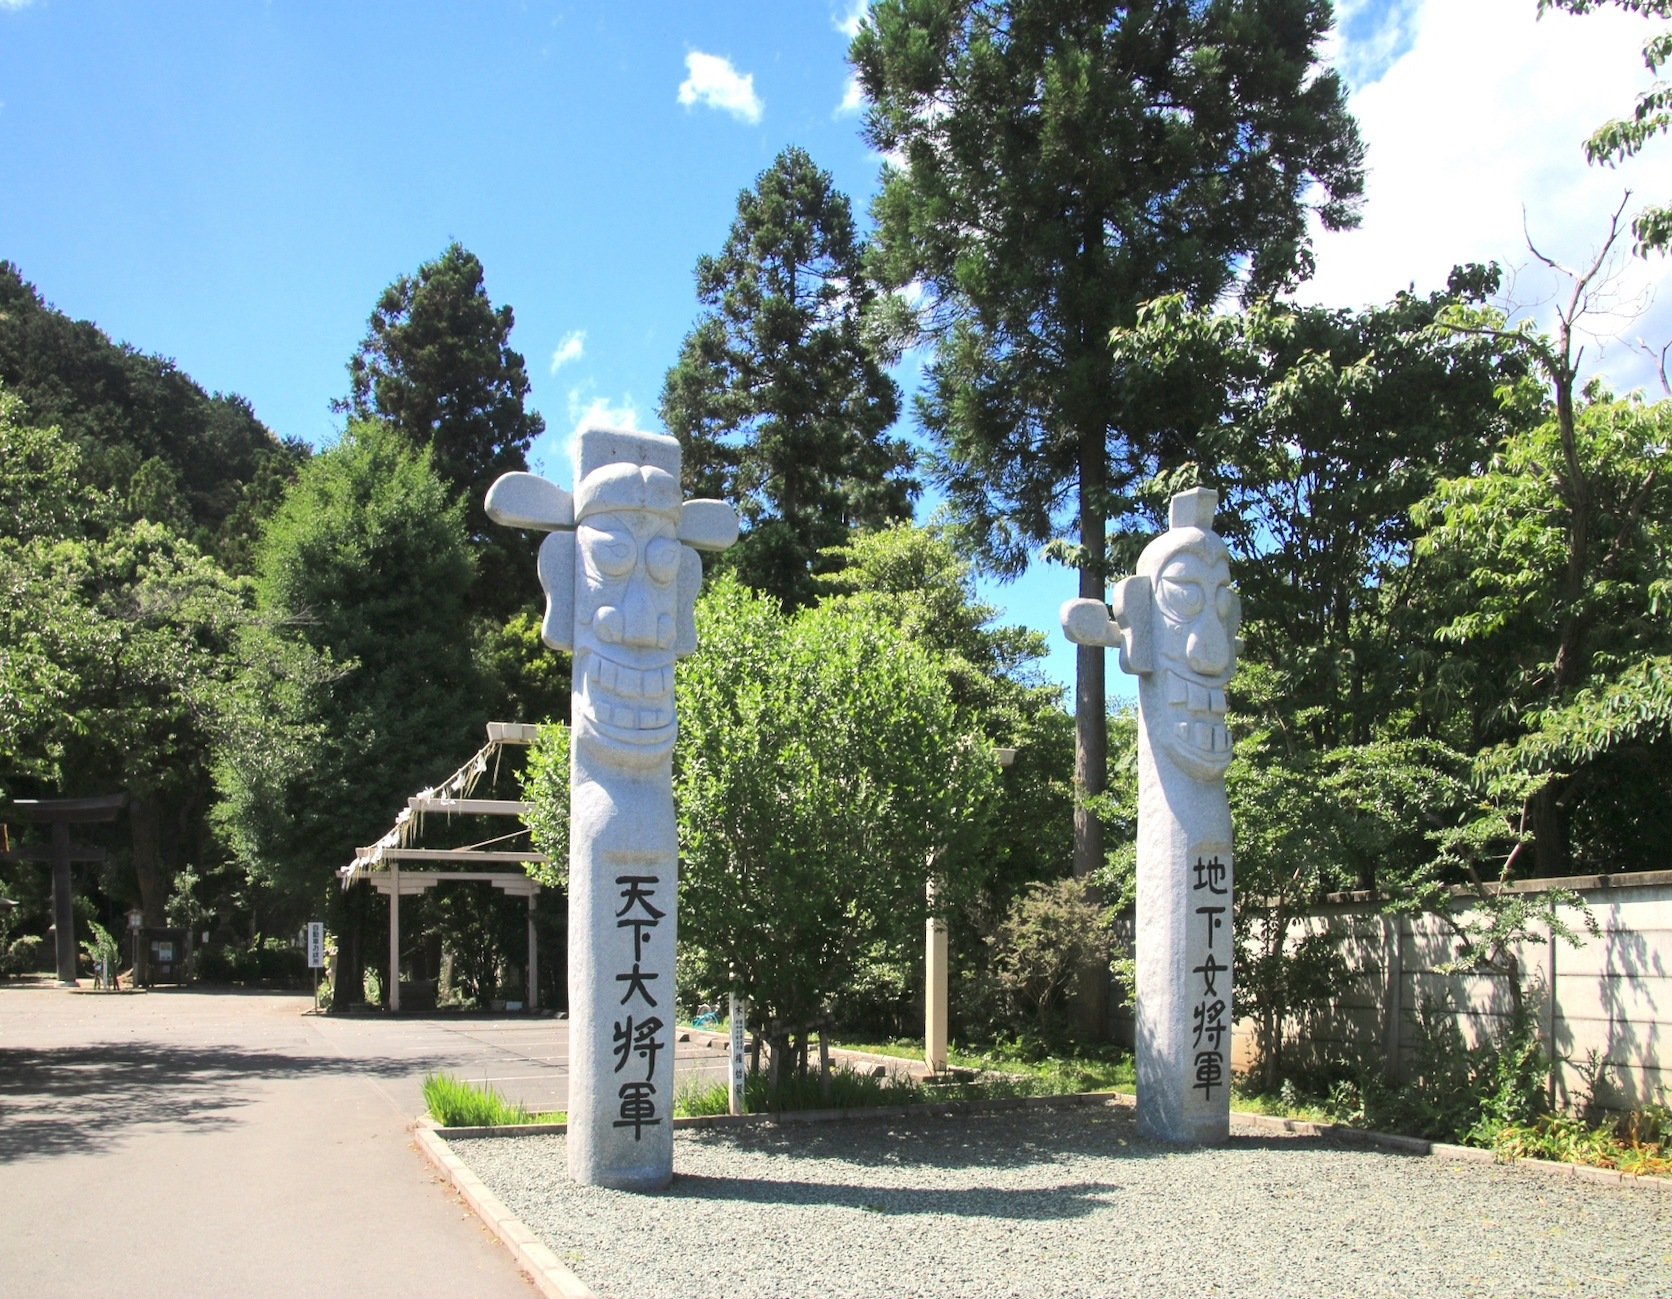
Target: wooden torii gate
{"points": [[451, 798], [60, 814]]}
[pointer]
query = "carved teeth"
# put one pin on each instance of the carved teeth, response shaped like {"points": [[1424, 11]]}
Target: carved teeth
{"points": [[1216, 701], [1176, 687], [1198, 698]]}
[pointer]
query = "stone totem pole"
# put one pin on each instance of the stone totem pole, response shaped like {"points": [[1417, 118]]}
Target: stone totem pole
{"points": [[621, 579], [1175, 624]]}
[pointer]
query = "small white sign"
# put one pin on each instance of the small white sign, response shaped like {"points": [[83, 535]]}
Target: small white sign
{"points": [[738, 1010], [316, 945]]}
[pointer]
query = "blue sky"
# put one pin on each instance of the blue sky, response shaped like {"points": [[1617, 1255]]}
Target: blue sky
{"points": [[232, 183]]}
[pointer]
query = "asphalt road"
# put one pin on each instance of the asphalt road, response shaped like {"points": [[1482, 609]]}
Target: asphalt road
{"points": [[194, 1143]]}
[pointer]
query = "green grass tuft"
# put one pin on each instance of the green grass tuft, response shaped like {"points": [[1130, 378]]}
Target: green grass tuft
{"points": [[455, 1103]]}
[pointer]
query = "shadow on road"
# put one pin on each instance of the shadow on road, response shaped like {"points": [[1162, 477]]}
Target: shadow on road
{"points": [[82, 1099]]}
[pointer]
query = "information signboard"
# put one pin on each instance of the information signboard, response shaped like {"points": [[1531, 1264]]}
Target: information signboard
{"points": [[316, 945]]}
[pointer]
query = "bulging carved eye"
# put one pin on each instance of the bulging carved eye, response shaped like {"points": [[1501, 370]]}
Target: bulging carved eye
{"points": [[1183, 600], [613, 552], [661, 560]]}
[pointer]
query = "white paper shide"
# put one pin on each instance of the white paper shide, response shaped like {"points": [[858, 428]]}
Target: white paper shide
{"points": [[1175, 625]]}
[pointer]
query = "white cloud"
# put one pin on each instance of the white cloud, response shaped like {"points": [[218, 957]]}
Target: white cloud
{"points": [[14, 4], [1459, 143], [714, 82], [853, 98], [572, 348], [848, 23], [586, 409]]}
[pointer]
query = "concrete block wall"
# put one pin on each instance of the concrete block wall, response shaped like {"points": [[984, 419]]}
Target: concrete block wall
{"points": [[1613, 995]]}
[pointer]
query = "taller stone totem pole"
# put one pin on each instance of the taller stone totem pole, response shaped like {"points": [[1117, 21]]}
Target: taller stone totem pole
{"points": [[621, 574], [1175, 624]]}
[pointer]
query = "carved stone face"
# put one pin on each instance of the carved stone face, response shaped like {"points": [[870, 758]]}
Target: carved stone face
{"points": [[626, 618], [1195, 635]]}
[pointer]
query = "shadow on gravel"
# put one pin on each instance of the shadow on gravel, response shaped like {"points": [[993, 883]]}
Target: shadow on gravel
{"points": [[85, 1098], [1075, 1200]]}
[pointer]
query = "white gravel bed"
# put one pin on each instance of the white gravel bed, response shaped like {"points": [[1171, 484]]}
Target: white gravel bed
{"points": [[1060, 1203]]}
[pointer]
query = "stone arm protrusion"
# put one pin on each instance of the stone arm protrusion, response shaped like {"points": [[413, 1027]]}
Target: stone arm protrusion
{"points": [[707, 525], [1123, 623], [529, 501]]}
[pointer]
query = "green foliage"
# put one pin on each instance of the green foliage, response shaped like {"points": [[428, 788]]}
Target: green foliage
{"points": [[526, 681], [1621, 138], [779, 396], [1060, 164], [114, 640], [822, 777], [545, 788], [1456, 1092], [143, 432], [914, 579], [105, 953], [1320, 429], [1049, 932], [1638, 1143], [437, 367], [356, 684], [25, 955], [455, 1103], [270, 960], [1546, 577]]}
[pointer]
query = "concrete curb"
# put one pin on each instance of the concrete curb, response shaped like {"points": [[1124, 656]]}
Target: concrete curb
{"points": [[553, 1279]]}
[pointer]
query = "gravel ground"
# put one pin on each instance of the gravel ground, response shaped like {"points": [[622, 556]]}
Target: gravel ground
{"points": [[1071, 1202]]}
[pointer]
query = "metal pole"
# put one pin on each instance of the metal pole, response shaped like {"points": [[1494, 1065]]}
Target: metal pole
{"points": [[62, 909]]}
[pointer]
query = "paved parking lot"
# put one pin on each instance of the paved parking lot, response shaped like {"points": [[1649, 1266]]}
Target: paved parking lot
{"points": [[225, 1143]]}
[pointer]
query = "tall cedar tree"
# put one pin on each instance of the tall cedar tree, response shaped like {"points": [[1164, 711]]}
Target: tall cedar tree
{"points": [[1061, 162], [779, 396], [357, 685], [436, 364]]}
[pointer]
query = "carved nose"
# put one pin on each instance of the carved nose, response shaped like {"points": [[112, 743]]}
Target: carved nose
{"points": [[1208, 650], [640, 623]]}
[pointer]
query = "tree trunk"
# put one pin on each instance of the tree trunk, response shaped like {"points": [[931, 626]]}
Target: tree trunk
{"points": [[1545, 820], [1091, 734], [144, 833], [351, 970]]}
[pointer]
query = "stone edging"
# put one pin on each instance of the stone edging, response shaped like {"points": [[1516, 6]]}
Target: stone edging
{"points": [[1266, 1122], [1443, 1150], [557, 1282], [550, 1277]]}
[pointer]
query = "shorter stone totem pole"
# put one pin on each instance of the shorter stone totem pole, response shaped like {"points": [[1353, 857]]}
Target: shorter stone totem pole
{"points": [[621, 579], [1175, 624]]}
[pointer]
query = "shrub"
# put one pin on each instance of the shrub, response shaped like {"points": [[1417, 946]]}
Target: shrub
{"points": [[25, 956], [1049, 932]]}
